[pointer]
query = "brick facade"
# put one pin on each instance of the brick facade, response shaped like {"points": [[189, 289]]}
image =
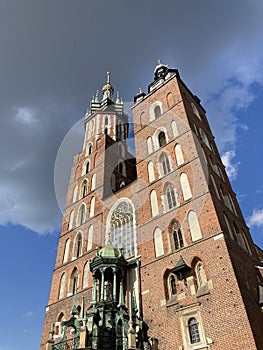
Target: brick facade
{"points": [[222, 299]]}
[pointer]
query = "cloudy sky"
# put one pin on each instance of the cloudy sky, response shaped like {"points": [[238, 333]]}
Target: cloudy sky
{"points": [[54, 55]]}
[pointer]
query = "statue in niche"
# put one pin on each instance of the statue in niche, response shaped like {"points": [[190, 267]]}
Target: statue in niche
{"points": [[108, 290]]}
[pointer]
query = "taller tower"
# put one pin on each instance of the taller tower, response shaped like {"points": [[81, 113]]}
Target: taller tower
{"points": [[186, 271]]}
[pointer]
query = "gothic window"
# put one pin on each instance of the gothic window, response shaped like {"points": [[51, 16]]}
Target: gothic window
{"points": [[158, 242], [66, 251], [84, 188], [229, 228], [195, 110], [169, 99], [86, 275], [154, 203], [151, 171], [87, 168], [89, 149], [149, 145], [62, 286], [204, 138], [93, 182], [174, 129], [73, 282], [75, 194], [165, 164], [179, 155], [170, 197], [77, 252], [215, 186], [193, 331], [106, 121], [157, 111], [71, 218], [187, 194], [122, 228], [81, 215], [177, 236], [90, 237], [194, 226], [162, 139], [92, 207]]}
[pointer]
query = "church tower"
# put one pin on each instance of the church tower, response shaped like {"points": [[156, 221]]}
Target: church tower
{"points": [[178, 268]]}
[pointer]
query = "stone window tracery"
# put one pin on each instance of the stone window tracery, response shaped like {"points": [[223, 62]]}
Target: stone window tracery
{"points": [[122, 228]]}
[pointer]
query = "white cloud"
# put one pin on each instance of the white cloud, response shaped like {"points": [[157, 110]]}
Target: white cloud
{"points": [[28, 314], [231, 166], [256, 219], [25, 116]]}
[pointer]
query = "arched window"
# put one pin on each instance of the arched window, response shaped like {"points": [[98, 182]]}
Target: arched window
{"points": [[122, 227], [195, 110], [174, 129], [77, 251], [58, 327], [179, 154], [157, 111], [200, 274], [92, 207], [106, 121], [90, 237], [149, 145], [71, 219], [87, 168], [187, 194], [158, 242], [93, 182], [151, 171], [162, 139], [215, 186], [89, 149], [86, 275], [230, 231], [84, 188], [165, 164], [194, 226], [193, 331], [154, 203], [170, 197], [81, 215], [66, 251], [74, 281], [75, 194], [178, 240], [62, 286], [169, 99]]}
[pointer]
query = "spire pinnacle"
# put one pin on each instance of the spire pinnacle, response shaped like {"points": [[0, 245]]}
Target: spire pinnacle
{"points": [[107, 88]]}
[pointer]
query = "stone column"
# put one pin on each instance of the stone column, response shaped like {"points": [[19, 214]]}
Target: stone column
{"points": [[114, 285], [102, 286], [94, 291]]}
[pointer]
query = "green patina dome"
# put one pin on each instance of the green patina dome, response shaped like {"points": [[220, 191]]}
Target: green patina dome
{"points": [[109, 252]]}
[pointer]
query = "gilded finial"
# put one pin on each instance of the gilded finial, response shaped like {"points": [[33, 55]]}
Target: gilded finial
{"points": [[159, 61], [108, 77]]}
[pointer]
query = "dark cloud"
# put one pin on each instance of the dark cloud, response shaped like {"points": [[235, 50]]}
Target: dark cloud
{"points": [[54, 55]]}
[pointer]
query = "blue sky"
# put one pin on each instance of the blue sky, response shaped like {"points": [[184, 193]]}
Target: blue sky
{"points": [[54, 55]]}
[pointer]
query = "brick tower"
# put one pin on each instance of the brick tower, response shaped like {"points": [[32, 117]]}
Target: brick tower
{"points": [[178, 268]]}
